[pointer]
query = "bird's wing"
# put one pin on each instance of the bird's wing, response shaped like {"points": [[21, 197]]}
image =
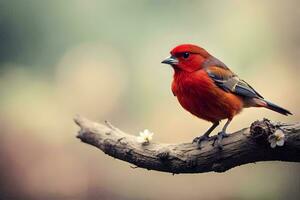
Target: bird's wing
{"points": [[230, 82]]}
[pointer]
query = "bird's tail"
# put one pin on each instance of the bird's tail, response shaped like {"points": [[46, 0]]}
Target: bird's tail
{"points": [[259, 102], [276, 108]]}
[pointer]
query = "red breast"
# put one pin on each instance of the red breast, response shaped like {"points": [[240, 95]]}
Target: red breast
{"points": [[197, 93]]}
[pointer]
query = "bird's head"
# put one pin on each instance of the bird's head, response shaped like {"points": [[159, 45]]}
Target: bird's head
{"points": [[187, 57]]}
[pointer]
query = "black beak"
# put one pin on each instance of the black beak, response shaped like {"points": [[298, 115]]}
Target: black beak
{"points": [[170, 61]]}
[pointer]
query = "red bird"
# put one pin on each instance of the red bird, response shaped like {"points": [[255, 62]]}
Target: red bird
{"points": [[208, 89]]}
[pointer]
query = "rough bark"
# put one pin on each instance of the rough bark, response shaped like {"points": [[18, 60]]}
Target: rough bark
{"points": [[248, 145]]}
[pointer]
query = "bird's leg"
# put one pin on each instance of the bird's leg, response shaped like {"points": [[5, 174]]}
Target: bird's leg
{"points": [[222, 135], [205, 136]]}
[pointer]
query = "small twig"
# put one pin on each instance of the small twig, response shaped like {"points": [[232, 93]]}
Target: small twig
{"points": [[109, 125]]}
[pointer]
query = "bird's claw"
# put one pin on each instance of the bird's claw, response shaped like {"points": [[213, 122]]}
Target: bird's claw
{"points": [[198, 140], [219, 138]]}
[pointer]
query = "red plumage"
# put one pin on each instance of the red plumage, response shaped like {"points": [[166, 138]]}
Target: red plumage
{"points": [[208, 89], [198, 94]]}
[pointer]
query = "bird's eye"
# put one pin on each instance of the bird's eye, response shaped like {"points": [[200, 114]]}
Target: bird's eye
{"points": [[185, 55]]}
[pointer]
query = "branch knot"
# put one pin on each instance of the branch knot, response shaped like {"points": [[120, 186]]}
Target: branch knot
{"points": [[261, 130]]}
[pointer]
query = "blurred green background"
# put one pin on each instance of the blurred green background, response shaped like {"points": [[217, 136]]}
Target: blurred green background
{"points": [[101, 59]]}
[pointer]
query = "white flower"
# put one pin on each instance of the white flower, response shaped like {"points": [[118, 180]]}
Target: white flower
{"points": [[276, 139], [145, 137]]}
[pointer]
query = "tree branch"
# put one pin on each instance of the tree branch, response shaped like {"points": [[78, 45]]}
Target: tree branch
{"points": [[245, 146]]}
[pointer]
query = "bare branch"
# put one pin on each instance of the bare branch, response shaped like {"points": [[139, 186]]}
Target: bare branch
{"points": [[248, 145]]}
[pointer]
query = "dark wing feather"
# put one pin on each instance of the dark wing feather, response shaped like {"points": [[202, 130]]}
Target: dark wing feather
{"points": [[244, 88], [230, 82]]}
